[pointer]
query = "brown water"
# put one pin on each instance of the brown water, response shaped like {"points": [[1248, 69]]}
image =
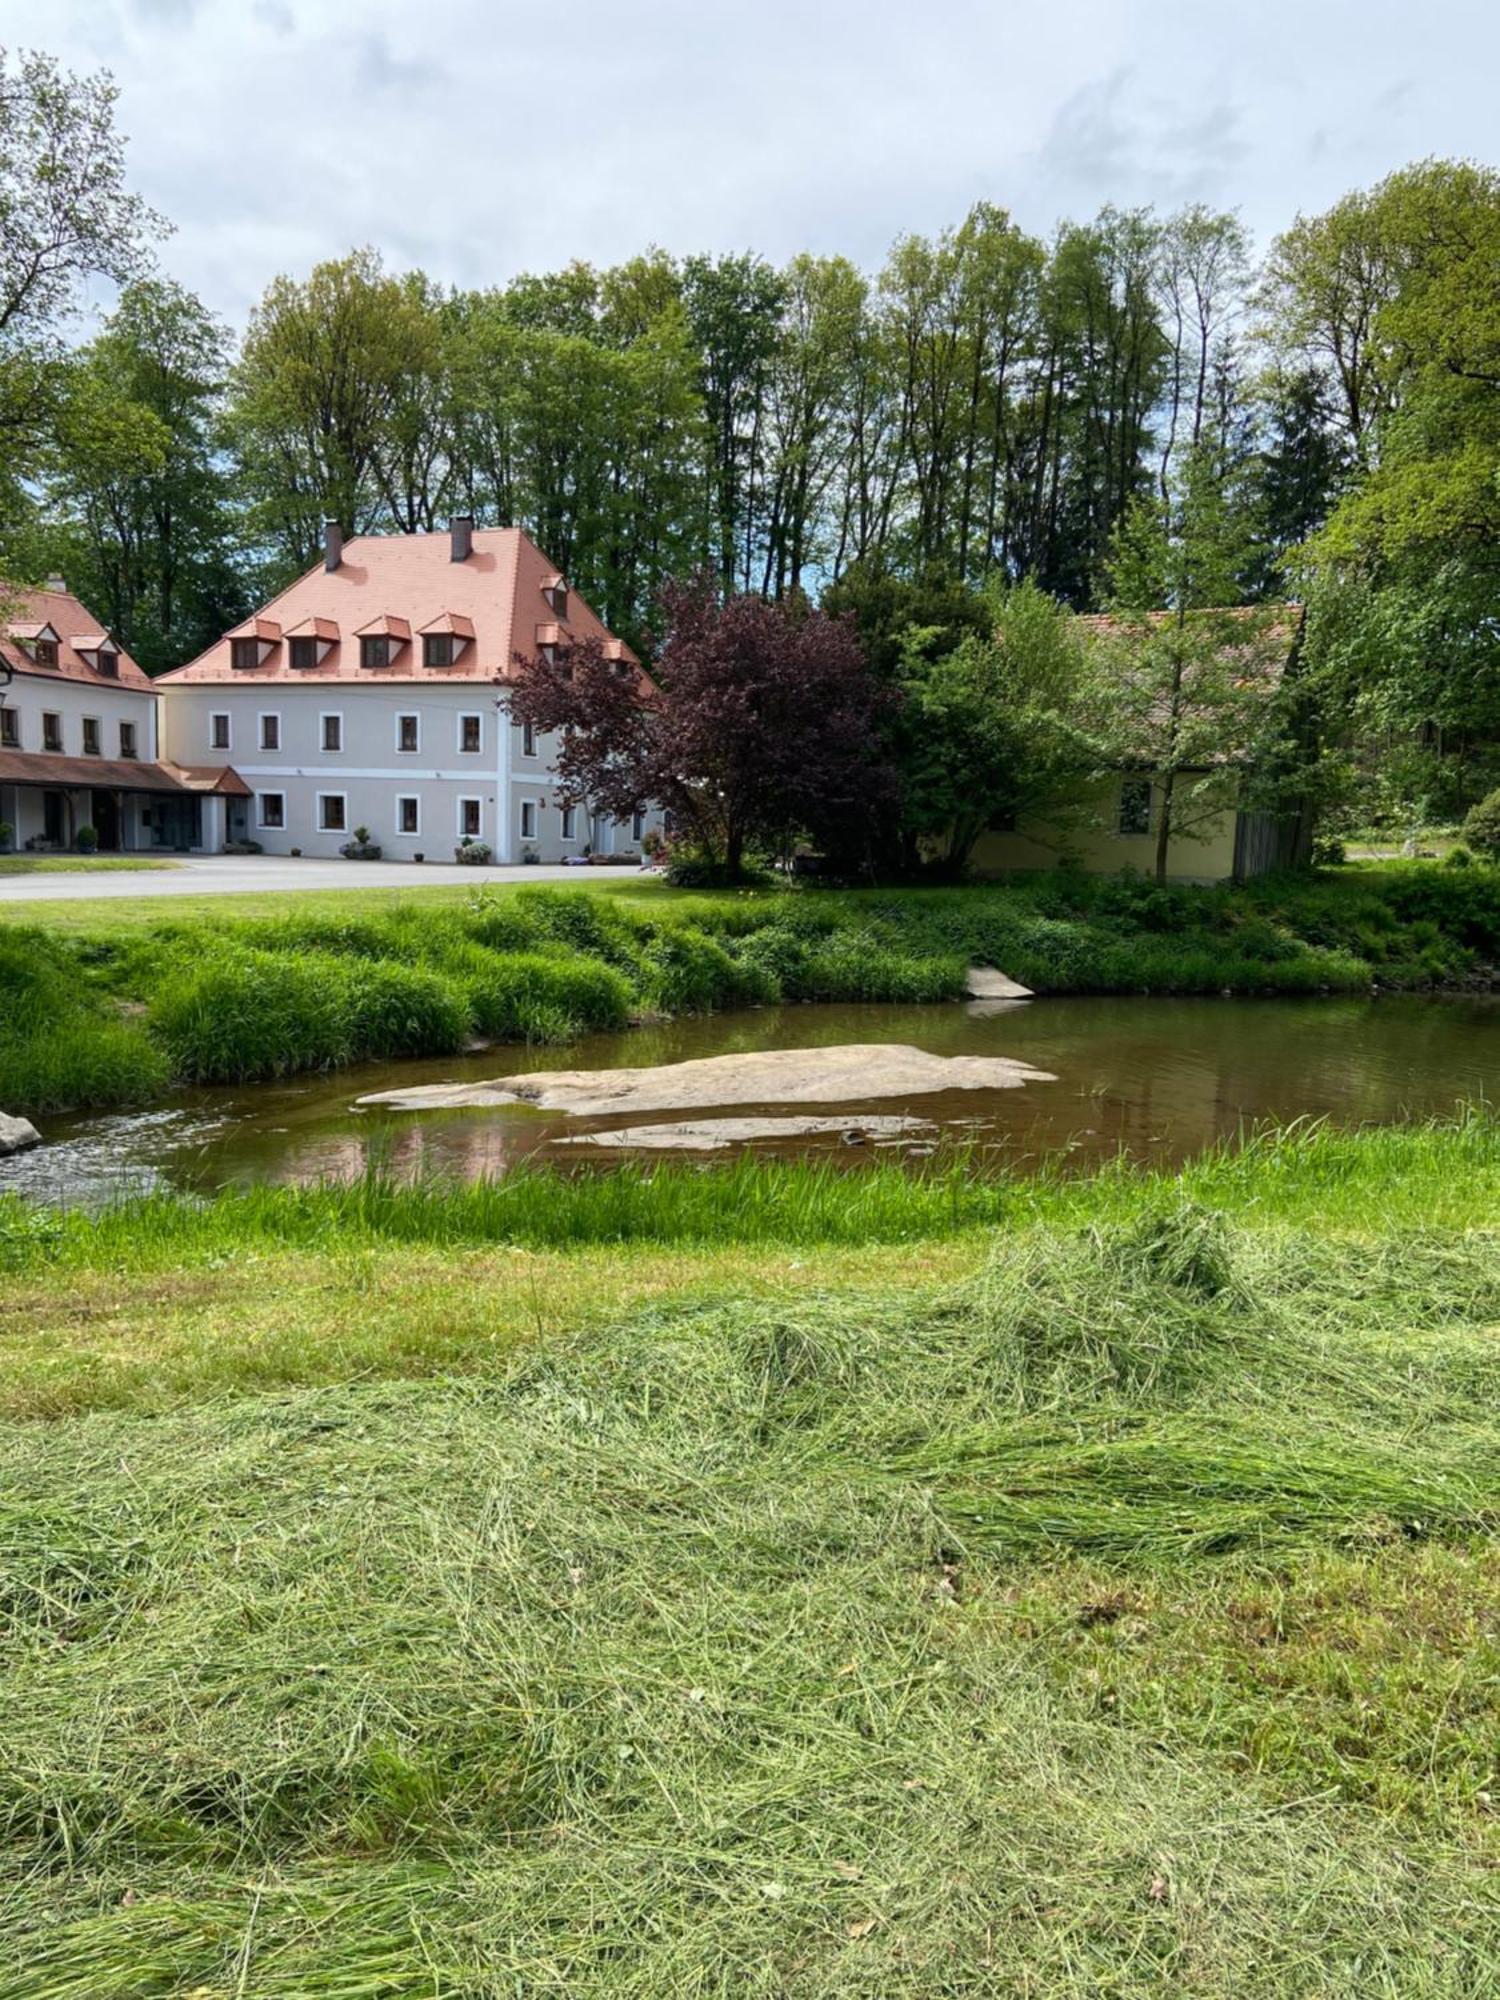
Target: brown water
{"points": [[1156, 1079]]}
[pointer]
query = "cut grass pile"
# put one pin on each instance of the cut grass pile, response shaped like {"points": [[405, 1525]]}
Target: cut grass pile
{"points": [[1110, 1613], [244, 996]]}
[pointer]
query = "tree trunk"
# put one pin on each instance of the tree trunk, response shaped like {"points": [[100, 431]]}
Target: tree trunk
{"points": [[1164, 825]]}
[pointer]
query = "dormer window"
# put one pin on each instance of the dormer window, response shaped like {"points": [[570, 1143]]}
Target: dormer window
{"points": [[555, 591], [107, 661], [244, 652], [44, 652], [303, 653], [437, 649], [375, 650]]}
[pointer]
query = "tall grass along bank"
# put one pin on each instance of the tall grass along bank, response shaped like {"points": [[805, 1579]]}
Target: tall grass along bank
{"points": [[1114, 1615], [115, 1012]]}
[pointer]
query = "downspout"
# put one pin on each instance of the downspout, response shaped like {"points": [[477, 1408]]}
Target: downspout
{"points": [[502, 782]]}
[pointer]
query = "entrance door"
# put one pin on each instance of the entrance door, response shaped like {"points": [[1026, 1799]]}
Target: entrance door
{"points": [[54, 819], [176, 822], [105, 807]]}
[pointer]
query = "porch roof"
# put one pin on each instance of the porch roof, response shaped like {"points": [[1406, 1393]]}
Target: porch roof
{"points": [[99, 774]]}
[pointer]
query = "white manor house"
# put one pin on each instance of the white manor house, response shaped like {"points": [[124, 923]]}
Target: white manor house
{"points": [[372, 693]]}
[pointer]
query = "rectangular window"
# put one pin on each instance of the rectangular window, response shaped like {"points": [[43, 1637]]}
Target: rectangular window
{"points": [[333, 732], [91, 736], [272, 809], [51, 732], [528, 740], [471, 734], [332, 817], [408, 814], [556, 595], [270, 732], [375, 650], [1135, 805], [528, 820], [44, 652], [437, 649], [244, 652], [10, 729], [469, 817], [304, 654], [567, 821], [218, 732], [408, 737], [127, 739], [637, 826], [107, 663]]}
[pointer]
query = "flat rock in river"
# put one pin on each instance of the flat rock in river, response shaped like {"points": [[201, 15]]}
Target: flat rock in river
{"points": [[707, 1135], [851, 1073], [985, 982]]}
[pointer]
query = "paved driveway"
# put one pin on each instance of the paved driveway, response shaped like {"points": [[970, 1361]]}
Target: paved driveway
{"points": [[260, 874]]}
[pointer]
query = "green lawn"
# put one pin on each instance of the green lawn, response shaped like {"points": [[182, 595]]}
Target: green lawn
{"points": [[1099, 1601], [75, 864]]}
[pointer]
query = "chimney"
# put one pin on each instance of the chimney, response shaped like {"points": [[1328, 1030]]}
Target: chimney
{"points": [[55, 583], [461, 530], [333, 545]]}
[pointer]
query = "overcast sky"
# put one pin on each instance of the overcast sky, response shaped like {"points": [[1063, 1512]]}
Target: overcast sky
{"points": [[479, 138]]}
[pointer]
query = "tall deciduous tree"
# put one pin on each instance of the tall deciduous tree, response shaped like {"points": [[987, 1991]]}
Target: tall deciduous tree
{"points": [[762, 725]]}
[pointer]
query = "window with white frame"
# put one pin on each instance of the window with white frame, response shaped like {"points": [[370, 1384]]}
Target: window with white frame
{"points": [[528, 739], [51, 730], [470, 734], [218, 731], [10, 729], [333, 812], [270, 732], [567, 821], [408, 734], [333, 732], [127, 739], [470, 818], [408, 813], [528, 819], [270, 809], [637, 826], [91, 736]]}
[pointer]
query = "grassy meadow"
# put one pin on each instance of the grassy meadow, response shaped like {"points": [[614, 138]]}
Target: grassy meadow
{"points": [[113, 1004], [703, 1585]]}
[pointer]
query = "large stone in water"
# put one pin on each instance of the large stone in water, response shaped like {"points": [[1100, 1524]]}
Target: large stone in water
{"points": [[16, 1134], [985, 982], [851, 1073]]}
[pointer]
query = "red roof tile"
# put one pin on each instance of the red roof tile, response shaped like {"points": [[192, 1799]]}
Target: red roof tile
{"points": [[34, 612], [494, 598]]}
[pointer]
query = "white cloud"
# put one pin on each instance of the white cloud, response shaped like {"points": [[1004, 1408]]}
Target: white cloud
{"points": [[483, 137]]}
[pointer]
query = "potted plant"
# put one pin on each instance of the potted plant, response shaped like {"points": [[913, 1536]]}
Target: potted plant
{"points": [[296, 853], [361, 848], [86, 840], [530, 856], [473, 853], [419, 857]]}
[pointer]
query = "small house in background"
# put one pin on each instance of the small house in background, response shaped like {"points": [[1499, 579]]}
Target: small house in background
{"points": [[374, 693], [1115, 823], [79, 742]]}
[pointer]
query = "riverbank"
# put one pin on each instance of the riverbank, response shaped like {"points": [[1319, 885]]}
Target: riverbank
{"points": [[105, 1008], [753, 1582]]}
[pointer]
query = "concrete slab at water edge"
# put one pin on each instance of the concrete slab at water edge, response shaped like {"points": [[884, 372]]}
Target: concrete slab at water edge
{"points": [[707, 1135], [17, 1135], [850, 1073]]}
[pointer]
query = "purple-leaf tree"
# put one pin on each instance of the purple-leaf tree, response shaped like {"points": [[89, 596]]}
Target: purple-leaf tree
{"points": [[759, 726]]}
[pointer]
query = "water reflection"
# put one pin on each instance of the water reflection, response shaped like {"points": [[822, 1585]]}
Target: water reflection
{"points": [[1156, 1079]]}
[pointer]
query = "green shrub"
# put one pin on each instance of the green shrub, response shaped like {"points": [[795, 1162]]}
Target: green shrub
{"points": [[538, 997], [403, 1010], [238, 1013], [1482, 827]]}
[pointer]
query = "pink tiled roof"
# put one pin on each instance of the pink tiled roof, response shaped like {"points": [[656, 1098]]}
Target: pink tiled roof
{"points": [[33, 611], [495, 595]]}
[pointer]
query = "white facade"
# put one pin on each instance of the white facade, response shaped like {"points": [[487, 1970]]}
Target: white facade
{"points": [[45, 714], [419, 766]]}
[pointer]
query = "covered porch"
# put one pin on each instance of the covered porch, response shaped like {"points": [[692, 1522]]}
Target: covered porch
{"points": [[132, 807]]}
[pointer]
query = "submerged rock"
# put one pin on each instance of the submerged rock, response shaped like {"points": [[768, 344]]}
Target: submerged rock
{"points": [[706, 1135], [17, 1134], [850, 1073]]}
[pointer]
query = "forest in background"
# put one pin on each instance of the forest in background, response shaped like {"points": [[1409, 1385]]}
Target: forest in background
{"points": [[987, 408]]}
